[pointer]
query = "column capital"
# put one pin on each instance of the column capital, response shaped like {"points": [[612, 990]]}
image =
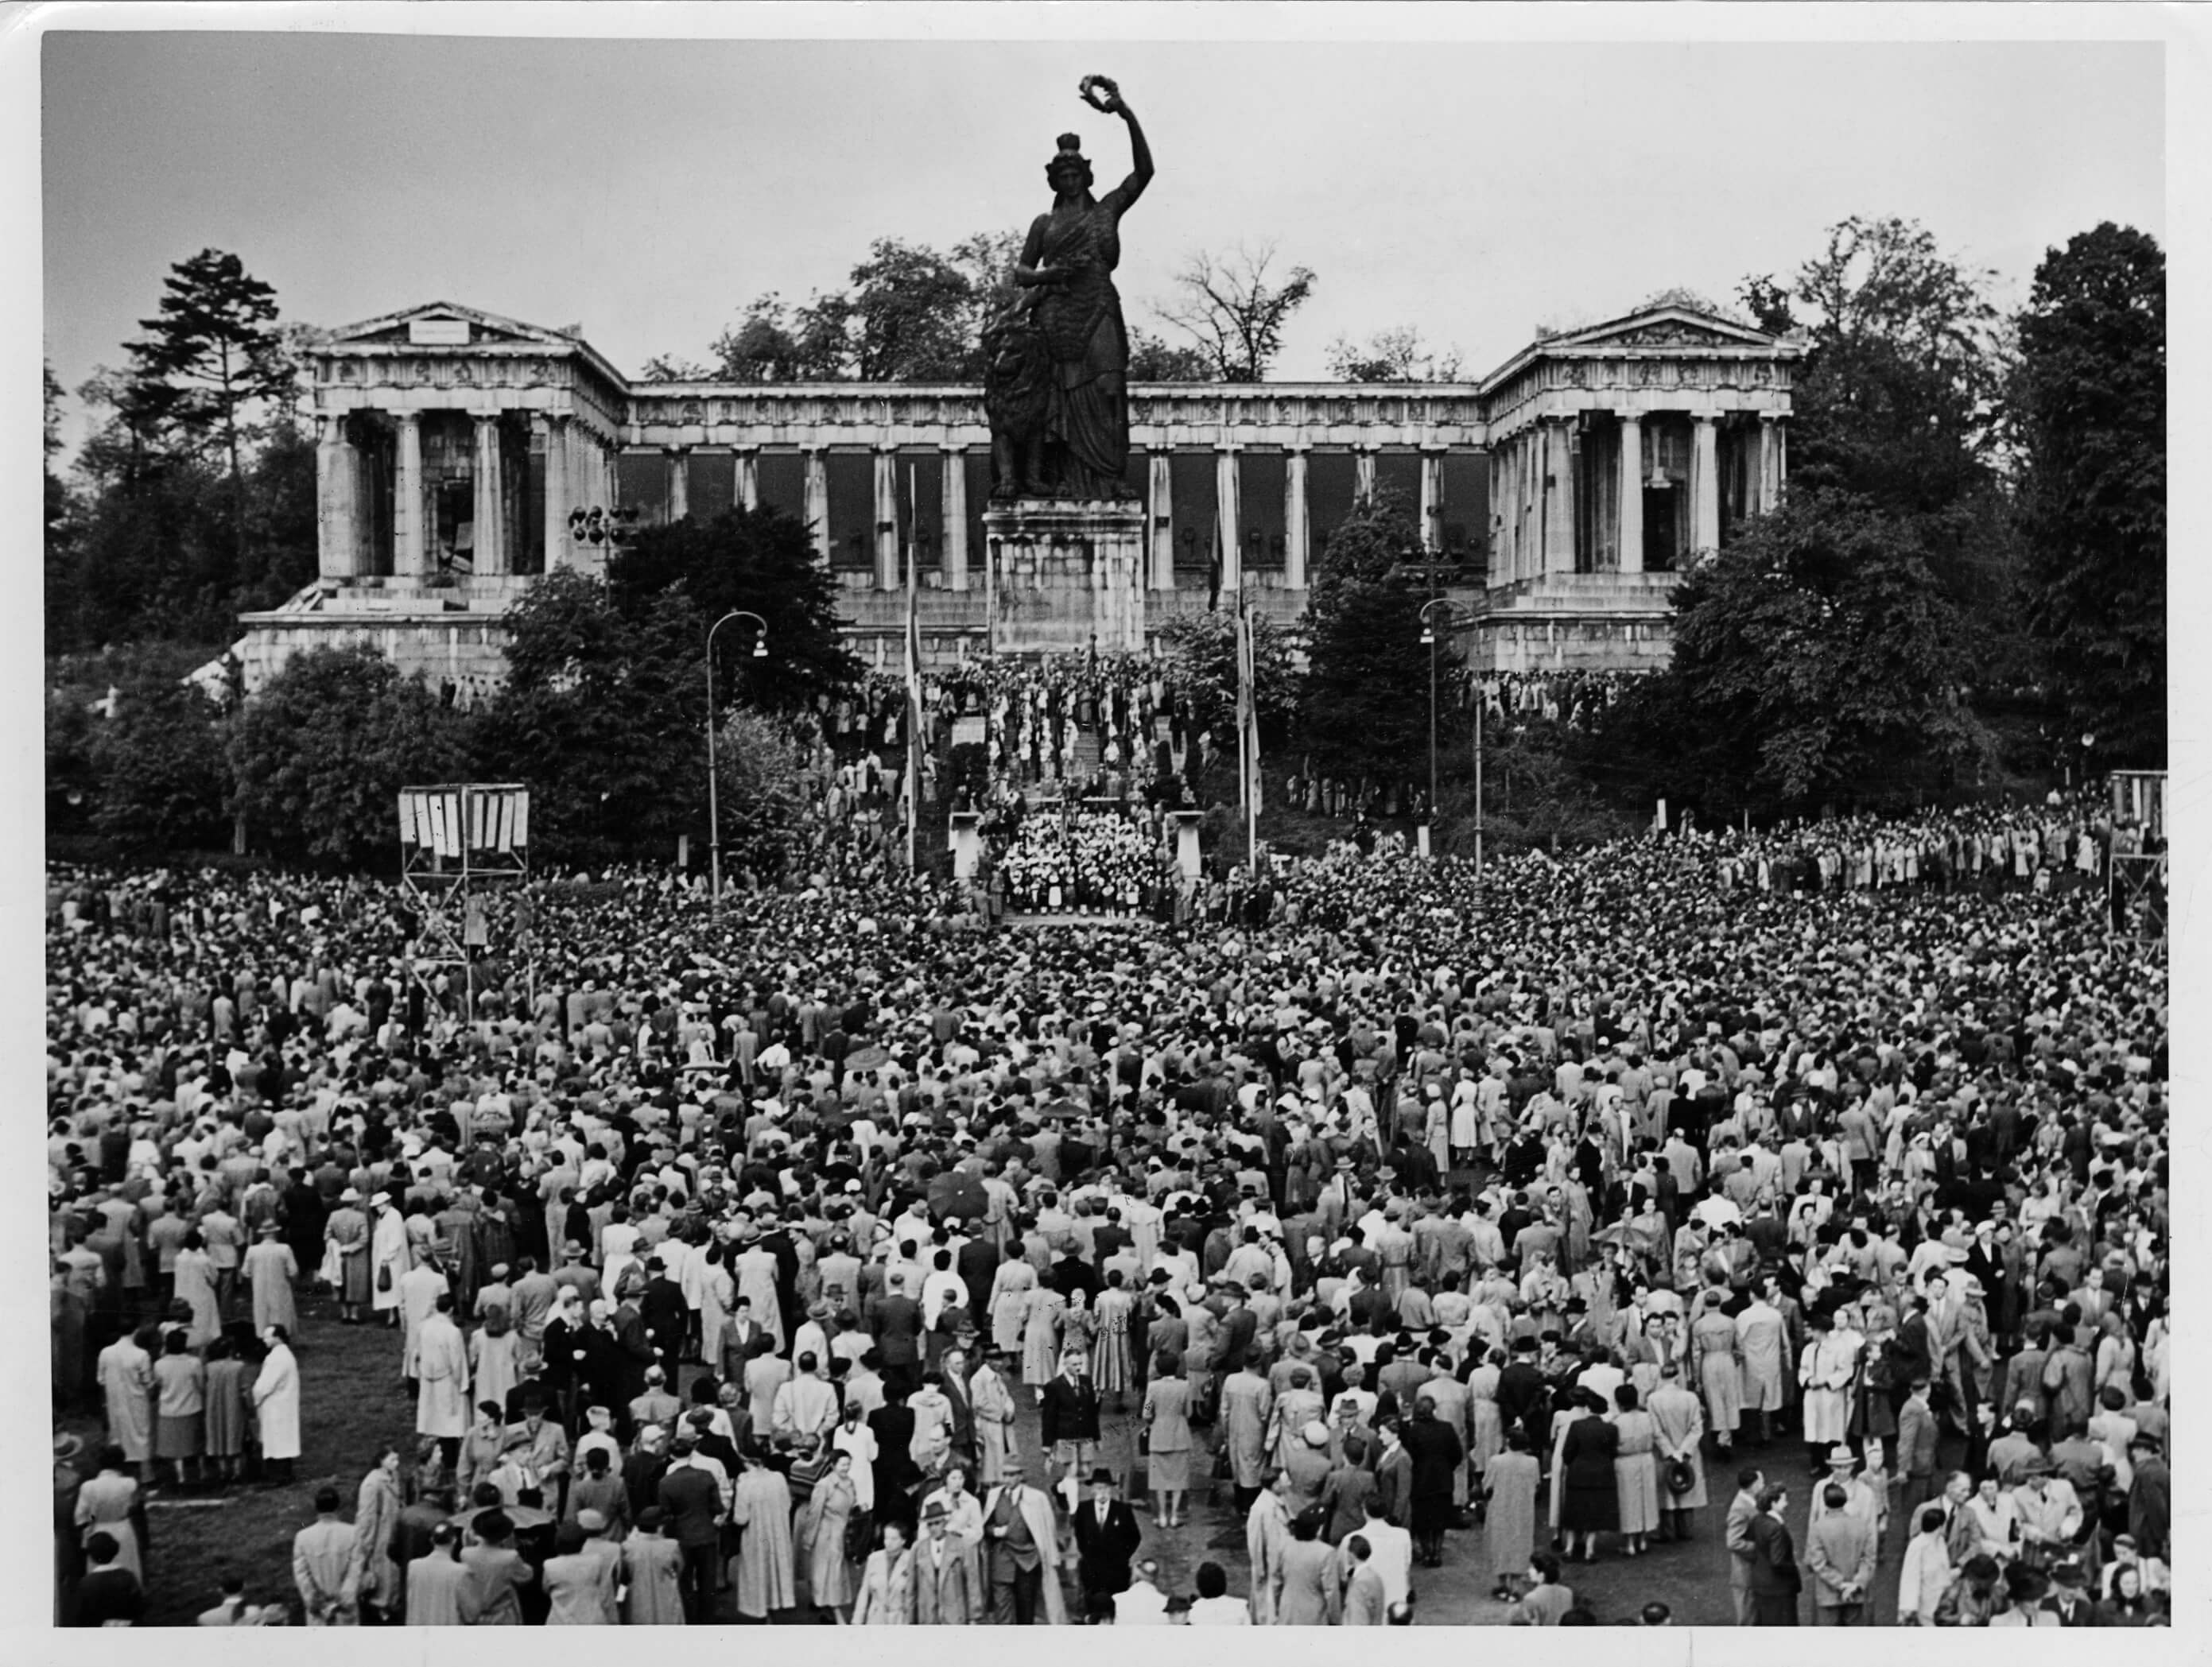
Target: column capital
{"points": [[887, 448], [1706, 417], [407, 418], [1297, 448], [1775, 416], [950, 448], [677, 451]]}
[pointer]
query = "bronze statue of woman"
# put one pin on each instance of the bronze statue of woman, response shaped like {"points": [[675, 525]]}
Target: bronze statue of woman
{"points": [[1068, 262]]}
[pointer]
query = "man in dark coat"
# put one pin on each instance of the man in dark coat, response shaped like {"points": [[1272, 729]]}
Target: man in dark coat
{"points": [[667, 1317], [1775, 1578], [1068, 1418], [690, 1503], [1106, 1540], [1435, 1451], [895, 1320]]}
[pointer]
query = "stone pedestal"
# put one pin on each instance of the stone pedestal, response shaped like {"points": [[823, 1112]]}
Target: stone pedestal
{"points": [[1185, 823], [1064, 576], [963, 833]]}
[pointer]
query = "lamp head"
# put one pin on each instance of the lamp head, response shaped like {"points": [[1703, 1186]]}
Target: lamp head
{"points": [[760, 647]]}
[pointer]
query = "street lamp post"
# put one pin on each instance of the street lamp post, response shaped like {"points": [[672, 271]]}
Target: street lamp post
{"points": [[713, 793]]}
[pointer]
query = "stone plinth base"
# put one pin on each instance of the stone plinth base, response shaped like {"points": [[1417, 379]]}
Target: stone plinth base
{"points": [[1062, 577], [963, 833], [1186, 838]]}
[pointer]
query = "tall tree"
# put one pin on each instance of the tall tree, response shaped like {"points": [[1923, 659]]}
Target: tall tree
{"points": [[1364, 706], [603, 713], [1235, 310], [1199, 651], [2088, 404], [1151, 359], [1815, 658], [213, 355], [761, 560], [1396, 355]]}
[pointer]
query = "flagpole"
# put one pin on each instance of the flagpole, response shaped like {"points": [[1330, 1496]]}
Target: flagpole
{"points": [[1252, 724]]}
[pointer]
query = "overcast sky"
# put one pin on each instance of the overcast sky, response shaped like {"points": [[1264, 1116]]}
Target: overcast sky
{"points": [[647, 189]]}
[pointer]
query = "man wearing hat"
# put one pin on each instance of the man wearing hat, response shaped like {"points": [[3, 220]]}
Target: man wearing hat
{"points": [[1106, 1540], [2048, 1511], [1022, 1549], [943, 1574]]}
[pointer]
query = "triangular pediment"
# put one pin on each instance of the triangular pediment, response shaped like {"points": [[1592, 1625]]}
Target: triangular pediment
{"points": [[444, 323], [1664, 327]]}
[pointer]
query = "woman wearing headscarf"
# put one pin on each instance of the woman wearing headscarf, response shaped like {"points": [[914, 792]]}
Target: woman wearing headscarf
{"points": [[376, 1513], [195, 1289], [492, 1356], [824, 1578]]}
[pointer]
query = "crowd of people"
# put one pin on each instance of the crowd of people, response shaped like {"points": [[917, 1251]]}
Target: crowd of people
{"points": [[798, 1261], [1066, 858]]}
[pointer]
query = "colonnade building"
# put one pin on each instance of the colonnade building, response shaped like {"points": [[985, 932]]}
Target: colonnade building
{"points": [[460, 455]]}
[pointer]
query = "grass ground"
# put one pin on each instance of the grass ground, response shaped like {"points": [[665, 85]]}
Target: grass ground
{"points": [[350, 1400]]}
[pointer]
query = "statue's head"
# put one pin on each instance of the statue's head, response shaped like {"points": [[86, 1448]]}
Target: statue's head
{"points": [[1068, 171]]}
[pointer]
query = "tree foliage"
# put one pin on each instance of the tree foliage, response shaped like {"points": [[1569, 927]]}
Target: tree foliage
{"points": [[1151, 359], [761, 560], [318, 755], [1200, 652], [909, 313], [603, 713], [1235, 310], [1815, 658], [194, 495], [164, 773], [1396, 355], [1364, 706], [2088, 404], [763, 792]]}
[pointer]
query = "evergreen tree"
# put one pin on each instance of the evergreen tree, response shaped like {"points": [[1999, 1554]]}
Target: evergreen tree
{"points": [[213, 354], [1364, 708], [2089, 404]]}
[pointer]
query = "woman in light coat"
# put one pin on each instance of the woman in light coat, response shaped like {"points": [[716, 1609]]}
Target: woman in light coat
{"points": [[376, 1513]]}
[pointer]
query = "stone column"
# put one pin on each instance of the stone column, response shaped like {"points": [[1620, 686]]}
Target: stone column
{"points": [[1362, 473], [1432, 500], [490, 511], [1770, 460], [817, 502], [1160, 516], [1559, 466], [679, 482], [559, 552], [744, 490], [408, 543], [952, 511], [1295, 531], [338, 542], [1704, 484], [1630, 523], [1226, 502], [888, 576]]}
